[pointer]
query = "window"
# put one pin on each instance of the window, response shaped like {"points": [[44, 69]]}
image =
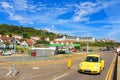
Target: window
{"points": [[91, 59]]}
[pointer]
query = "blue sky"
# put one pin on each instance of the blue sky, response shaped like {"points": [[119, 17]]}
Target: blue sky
{"points": [[96, 18]]}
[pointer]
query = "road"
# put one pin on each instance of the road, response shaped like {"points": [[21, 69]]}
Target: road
{"points": [[60, 72], [5, 73], [25, 58]]}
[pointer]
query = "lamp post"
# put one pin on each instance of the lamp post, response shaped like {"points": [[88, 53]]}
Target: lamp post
{"points": [[14, 63], [67, 48], [87, 47], [24, 54]]}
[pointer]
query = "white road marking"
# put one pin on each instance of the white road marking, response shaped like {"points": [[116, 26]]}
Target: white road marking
{"points": [[54, 66], [38, 75], [44, 67], [35, 68], [60, 76], [10, 71]]}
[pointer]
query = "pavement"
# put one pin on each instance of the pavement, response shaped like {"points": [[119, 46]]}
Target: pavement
{"points": [[118, 70]]}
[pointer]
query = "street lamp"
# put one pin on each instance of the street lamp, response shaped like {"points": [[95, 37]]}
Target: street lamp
{"points": [[67, 48], [14, 63], [87, 47]]}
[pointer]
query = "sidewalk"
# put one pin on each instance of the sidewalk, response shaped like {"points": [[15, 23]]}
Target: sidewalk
{"points": [[118, 70]]}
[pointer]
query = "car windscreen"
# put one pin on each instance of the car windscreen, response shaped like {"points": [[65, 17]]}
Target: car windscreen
{"points": [[91, 59]]}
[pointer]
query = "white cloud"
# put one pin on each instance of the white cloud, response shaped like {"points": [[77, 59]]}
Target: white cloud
{"points": [[106, 27], [6, 5], [20, 4], [50, 28], [16, 17], [78, 18], [85, 9], [20, 19]]}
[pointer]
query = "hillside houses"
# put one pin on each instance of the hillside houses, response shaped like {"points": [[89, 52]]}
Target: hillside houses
{"points": [[59, 40], [28, 42], [8, 39], [20, 41]]}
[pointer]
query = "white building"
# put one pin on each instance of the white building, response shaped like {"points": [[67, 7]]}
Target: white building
{"points": [[47, 39], [35, 37], [74, 38], [18, 36], [24, 43], [1, 40]]}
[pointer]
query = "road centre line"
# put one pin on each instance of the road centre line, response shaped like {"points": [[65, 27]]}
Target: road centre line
{"points": [[60, 76], [110, 70]]}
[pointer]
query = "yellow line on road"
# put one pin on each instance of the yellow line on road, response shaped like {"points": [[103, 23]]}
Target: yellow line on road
{"points": [[110, 71]]}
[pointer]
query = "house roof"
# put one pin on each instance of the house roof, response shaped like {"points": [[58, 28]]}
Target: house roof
{"points": [[29, 42], [7, 39]]}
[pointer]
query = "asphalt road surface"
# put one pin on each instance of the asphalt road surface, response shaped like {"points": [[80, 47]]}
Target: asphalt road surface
{"points": [[60, 72], [25, 58], [5, 73]]}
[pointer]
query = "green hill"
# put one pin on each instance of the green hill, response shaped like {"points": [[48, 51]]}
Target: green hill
{"points": [[27, 32]]}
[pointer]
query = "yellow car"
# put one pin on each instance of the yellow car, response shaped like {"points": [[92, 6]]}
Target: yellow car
{"points": [[92, 64]]}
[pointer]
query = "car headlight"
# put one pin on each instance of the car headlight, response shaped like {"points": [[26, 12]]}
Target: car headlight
{"points": [[80, 65], [96, 67]]}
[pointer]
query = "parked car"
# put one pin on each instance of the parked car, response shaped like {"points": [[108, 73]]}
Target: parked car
{"points": [[92, 64], [6, 53]]}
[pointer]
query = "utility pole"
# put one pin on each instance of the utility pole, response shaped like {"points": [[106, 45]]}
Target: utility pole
{"points": [[87, 47], [14, 63]]}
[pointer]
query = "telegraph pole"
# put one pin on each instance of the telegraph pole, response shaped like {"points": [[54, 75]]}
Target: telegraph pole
{"points": [[14, 63], [87, 47]]}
